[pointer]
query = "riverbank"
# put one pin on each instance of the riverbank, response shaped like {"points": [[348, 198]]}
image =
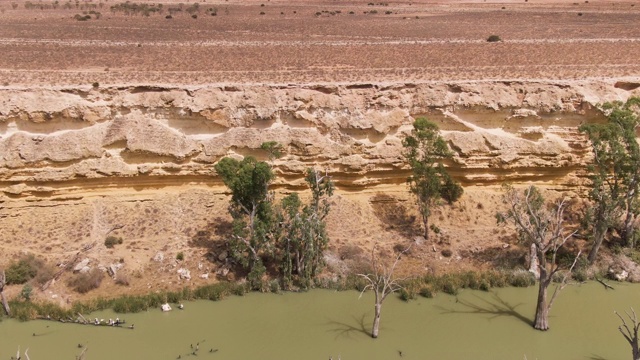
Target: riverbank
{"points": [[426, 286], [493, 325]]}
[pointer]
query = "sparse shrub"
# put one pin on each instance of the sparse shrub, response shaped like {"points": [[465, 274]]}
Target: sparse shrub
{"points": [[85, 282], [168, 17], [82, 17], [122, 279], [446, 252], [26, 292], [46, 272], [262, 12], [494, 38], [522, 279], [407, 294], [450, 288], [96, 85], [180, 256], [349, 252], [580, 275], [274, 286], [194, 16], [111, 241], [25, 269], [427, 292]]}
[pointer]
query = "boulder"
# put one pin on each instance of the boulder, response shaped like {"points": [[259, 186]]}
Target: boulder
{"points": [[184, 274], [159, 257], [223, 256], [619, 274], [81, 265]]}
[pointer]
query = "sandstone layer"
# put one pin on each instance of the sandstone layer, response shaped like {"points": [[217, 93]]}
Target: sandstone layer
{"points": [[55, 140]]}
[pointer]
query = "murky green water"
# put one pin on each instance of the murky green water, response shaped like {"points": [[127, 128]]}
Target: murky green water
{"points": [[320, 324]]}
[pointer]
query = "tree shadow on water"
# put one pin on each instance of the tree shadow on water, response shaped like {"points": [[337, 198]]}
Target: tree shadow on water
{"points": [[347, 329], [494, 306], [596, 357]]}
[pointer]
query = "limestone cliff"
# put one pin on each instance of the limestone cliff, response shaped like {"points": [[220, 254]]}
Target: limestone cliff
{"points": [[52, 139]]}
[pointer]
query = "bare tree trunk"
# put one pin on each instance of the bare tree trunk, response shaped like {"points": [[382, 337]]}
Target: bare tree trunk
{"points": [[5, 304], [597, 241], [631, 333], [542, 308], [533, 261], [628, 228], [425, 221], [376, 321]]}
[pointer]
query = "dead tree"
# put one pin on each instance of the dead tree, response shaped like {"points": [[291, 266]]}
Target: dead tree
{"points": [[630, 333], [382, 282], [542, 226], [5, 304], [26, 355]]}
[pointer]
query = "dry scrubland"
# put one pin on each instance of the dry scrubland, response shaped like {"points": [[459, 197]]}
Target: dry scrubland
{"points": [[56, 199]]}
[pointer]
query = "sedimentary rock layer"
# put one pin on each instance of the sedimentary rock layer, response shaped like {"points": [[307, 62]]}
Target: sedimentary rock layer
{"points": [[52, 139]]}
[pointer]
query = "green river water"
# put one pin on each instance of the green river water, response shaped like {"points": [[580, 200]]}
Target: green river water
{"points": [[320, 324]]}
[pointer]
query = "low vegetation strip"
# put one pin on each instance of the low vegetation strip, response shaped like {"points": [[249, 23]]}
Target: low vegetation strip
{"points": [[428, 286]]}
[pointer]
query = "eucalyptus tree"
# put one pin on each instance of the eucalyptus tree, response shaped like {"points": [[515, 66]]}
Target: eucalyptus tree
{"points": [[615, 174], [252, 212], [424, 151], [304, 236]]}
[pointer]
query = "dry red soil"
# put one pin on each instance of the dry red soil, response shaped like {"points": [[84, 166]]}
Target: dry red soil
{"points": [[288, 42]]}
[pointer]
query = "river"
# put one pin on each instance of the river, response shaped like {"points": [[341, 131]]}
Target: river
{"points": [[321, 324]]}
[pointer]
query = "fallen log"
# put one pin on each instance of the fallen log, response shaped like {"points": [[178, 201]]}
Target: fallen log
{"points": [[606, 286]]}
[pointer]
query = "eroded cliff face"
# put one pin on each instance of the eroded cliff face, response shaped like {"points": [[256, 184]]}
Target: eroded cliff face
{"points": [[136, 162], [51, 139]]}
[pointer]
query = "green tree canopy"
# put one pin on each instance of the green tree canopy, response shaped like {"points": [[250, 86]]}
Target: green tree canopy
{"points": [[615, 173], [430, 182], [251, 209]]}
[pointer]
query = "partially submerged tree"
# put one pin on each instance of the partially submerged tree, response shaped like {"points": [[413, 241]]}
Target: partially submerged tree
{"points": [[542, 225], [429, 181], [615, 173], [630, 333], [383, 283], [251, 209]]}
